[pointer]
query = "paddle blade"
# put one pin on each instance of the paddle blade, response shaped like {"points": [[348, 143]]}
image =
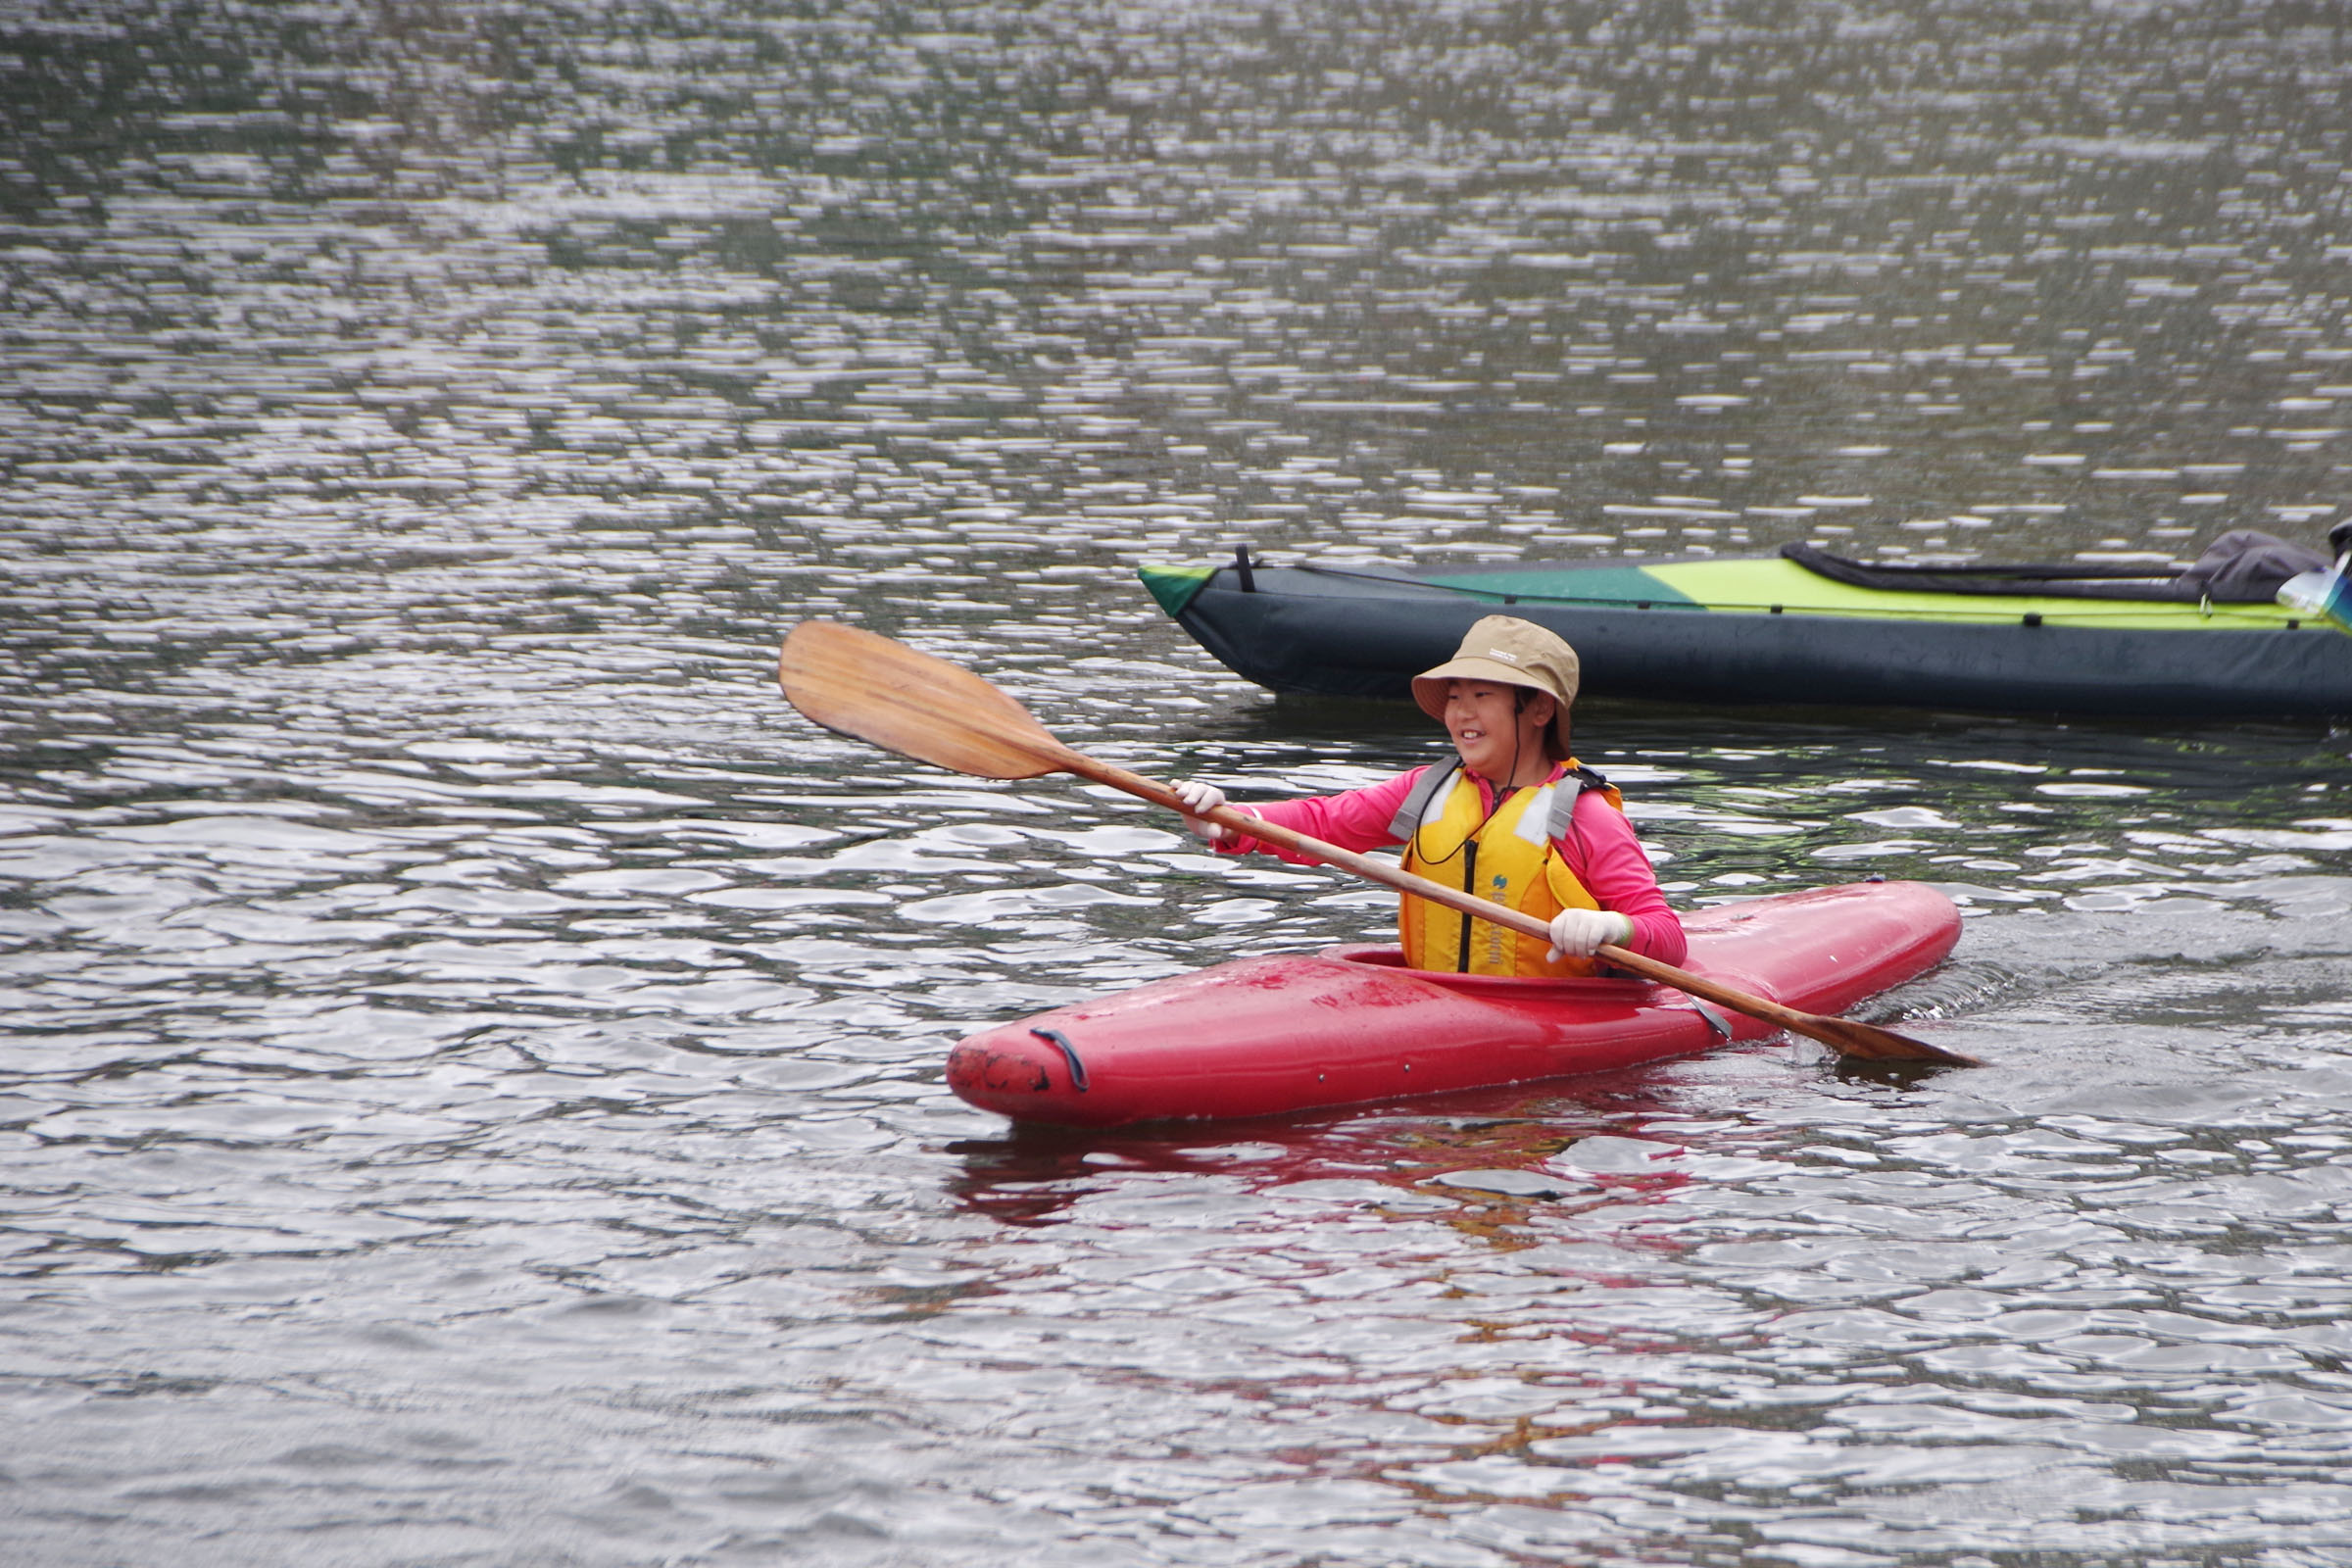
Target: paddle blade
{"points": [[865, 685], [1864, 1042]]}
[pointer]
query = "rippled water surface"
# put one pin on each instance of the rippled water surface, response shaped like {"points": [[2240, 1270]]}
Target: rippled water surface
{"points": [[471, 1091]]}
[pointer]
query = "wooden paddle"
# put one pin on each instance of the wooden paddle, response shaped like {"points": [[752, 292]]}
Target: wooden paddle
{"points": [[881, 690]]}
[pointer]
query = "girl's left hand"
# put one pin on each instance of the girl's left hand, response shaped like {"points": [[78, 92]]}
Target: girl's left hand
{"points": [[1580, 933]]}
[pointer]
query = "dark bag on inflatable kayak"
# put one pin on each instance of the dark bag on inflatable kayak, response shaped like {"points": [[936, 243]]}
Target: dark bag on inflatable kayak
{"points": [[2244, 567]]}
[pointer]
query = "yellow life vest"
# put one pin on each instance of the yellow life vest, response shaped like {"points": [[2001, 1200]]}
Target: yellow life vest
{"points": [[1508, 859]]}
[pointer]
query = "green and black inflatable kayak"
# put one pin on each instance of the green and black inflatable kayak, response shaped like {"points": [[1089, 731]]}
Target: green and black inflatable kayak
{"points": [[1804, 626]]}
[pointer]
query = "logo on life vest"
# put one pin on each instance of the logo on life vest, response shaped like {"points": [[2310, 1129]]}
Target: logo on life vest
{"points": [[1495, 933]]}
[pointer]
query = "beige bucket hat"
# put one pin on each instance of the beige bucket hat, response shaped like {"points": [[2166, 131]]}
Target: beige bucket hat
{"points": [[1516, 653]]}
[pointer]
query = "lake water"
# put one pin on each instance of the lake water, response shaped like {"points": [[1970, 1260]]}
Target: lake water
{"points": [[472, 1084]]}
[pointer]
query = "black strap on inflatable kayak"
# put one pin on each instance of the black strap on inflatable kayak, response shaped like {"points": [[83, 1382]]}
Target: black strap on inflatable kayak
{"points": [[1069, 1054], [2243, 567]]}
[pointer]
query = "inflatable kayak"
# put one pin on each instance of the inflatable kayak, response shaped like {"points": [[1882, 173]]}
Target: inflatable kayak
{"points": [[1266, 1037], [2117, 638]]}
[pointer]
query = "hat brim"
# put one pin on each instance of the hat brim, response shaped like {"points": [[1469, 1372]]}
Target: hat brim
{"points": [[1429, 687]]}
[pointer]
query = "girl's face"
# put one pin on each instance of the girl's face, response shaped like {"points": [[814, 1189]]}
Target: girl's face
{"points": [[1498, 740]]}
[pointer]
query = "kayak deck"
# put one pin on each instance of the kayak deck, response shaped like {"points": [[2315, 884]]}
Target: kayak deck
{"points": [[1285, 1033], [1758, 586]]}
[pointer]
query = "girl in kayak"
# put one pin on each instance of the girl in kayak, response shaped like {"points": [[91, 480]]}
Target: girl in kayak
{"points": [[1515, 819]]}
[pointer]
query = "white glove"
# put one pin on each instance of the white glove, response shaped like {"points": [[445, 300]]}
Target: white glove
{"points": [[1198, 799], [1579, 933]]}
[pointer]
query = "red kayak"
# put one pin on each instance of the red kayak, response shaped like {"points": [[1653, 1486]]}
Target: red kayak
{"points": [[1268, 1035]]}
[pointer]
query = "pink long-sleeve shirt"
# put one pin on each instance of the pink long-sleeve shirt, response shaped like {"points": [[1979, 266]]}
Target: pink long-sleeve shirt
{"points": [[1600, 848]]}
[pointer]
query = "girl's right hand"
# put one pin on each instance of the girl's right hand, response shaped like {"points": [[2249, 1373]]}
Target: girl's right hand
{"points": [[1200, 798]]}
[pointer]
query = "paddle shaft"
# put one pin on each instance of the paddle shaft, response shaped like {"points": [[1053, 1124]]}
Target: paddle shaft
{"points": [[1838, 1033], [1368, 867], [1375, 870], [868, 686]]}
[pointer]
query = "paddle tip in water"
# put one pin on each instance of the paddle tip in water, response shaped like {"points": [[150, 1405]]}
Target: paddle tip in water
{"points": [[1859, 1041], [1867, 1043]]}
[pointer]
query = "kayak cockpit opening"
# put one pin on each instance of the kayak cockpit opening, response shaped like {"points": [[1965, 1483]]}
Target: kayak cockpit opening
{"points": [[1500, 988]]}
